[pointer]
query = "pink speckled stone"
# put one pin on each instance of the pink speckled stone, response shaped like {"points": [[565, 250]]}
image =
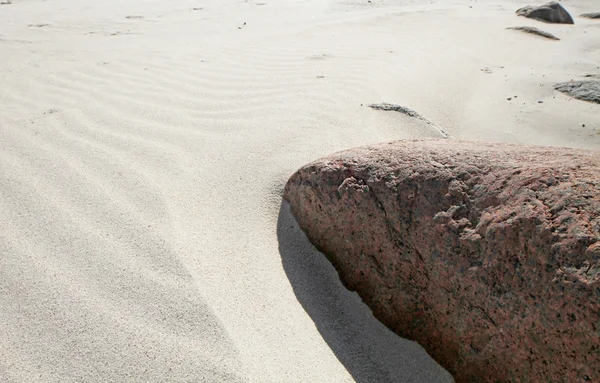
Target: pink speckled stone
{"points": [[488, 255]]}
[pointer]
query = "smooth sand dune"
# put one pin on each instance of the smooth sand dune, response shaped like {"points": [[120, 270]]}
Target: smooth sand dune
{"points": [[142, 161]]}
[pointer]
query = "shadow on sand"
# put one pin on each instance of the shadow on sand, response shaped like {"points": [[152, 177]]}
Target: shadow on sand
{"points": [[368, 350]]}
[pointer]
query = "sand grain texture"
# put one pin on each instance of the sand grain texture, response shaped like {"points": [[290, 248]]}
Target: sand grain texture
{"points": [[144, 146]]}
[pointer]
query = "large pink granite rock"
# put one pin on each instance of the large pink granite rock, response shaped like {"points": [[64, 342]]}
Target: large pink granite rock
{"points": [[488, 255]]}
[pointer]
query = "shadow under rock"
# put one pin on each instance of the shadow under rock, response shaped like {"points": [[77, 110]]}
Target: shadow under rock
{"points": [[369, 351]]}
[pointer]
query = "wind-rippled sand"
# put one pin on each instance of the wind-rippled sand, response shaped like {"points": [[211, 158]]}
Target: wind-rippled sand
{"points": [[144, 147]]}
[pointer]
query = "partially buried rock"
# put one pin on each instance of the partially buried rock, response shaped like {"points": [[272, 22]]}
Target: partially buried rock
{"points": [[535, 31], [488, 255], [593, 15], [552, 12], [395, 108], [588, 90], [385, 106]]}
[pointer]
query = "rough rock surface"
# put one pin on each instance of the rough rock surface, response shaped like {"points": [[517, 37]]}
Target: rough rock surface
{"points": [[552, 12], [488, 255], [535, 31], [588, 90]]}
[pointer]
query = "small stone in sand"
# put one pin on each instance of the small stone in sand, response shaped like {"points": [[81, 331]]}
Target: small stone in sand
{"points": [[409, 112], [552, 12], [535, 31], [593, 15], [396, 108], [583, 90]]}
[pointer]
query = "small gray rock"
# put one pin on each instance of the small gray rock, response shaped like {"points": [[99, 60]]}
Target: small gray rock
{"points": [[593, 15], [552, 12], [535, 31], [409, 112], [583, 90], [395, 108]]}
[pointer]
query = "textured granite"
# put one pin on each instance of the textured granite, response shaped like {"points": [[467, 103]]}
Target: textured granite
{"points": [[488, 255]]}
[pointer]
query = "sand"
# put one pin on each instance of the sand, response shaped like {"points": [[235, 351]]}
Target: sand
{"points": [[144, 147]]}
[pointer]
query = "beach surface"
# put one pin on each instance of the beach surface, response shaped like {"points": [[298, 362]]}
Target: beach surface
{"points": [[144, 146]]}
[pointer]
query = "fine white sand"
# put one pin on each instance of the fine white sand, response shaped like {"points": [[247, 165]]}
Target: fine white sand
{"points": [[144, 145]]}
